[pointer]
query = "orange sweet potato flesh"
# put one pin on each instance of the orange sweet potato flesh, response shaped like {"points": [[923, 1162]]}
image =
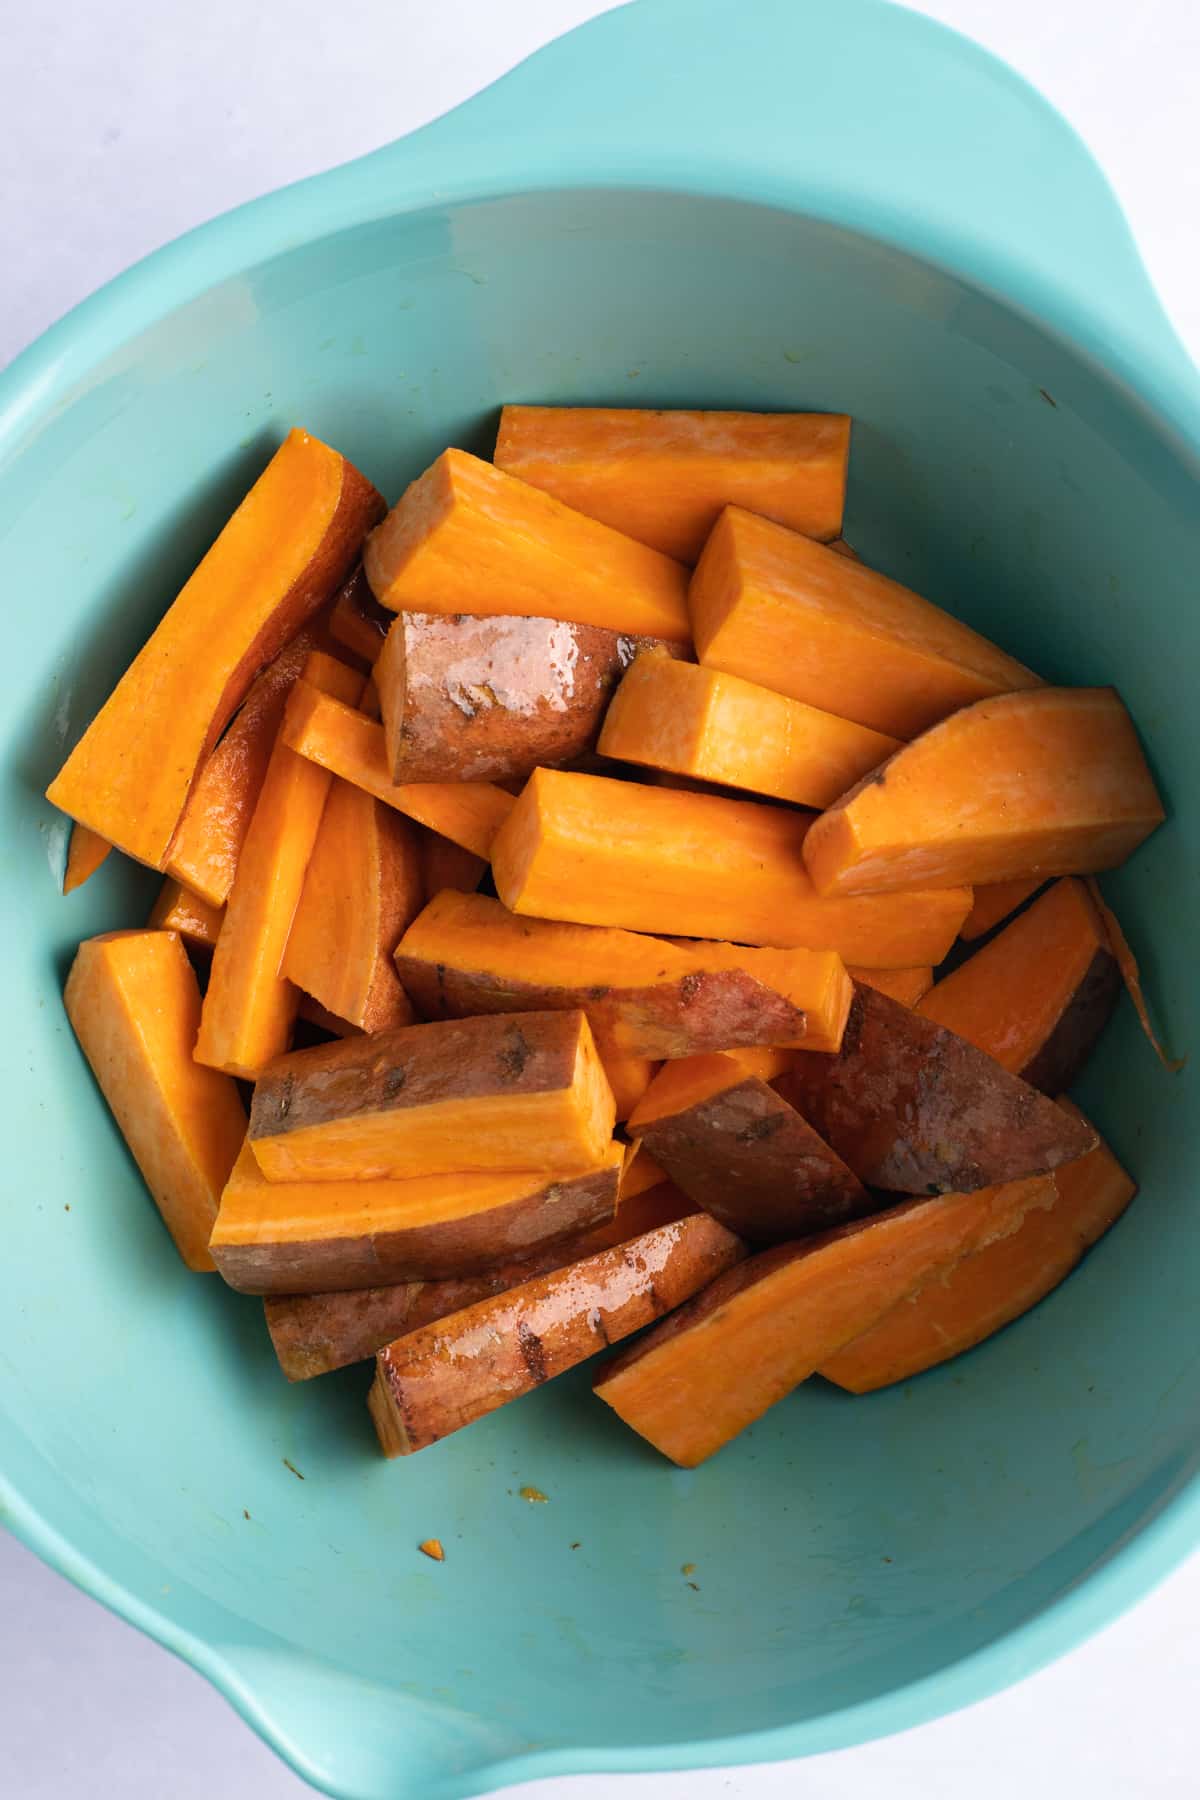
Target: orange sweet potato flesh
{"points": [[994, 903], [739, 1150], [356, 619], [592, 851], [628, 1076], [995, 1285], [1127, 962], [700, 722], [278, 559], [717, 1364], [664, 477], [315, 1333], [915, 1109], [178, 909], [1051, 782], [85, 852], [467, 538], [134, 1004], [790, 614], [906, 985], [249, 1007], [208, 840], [518, 1092], [465, 954], [361, 889], [1040, 993], [433, 1381], [325, 1236], [640, 1172], [490, 698], [348, 743]]}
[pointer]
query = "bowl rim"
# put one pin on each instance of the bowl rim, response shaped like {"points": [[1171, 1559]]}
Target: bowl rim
{"points": [[441, 165]]}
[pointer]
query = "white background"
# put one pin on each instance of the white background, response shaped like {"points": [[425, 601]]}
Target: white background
{"points": [[123, 123]]}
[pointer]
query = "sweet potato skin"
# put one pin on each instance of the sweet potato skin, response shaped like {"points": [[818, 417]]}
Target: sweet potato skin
{"points": [[129, 776], [752, 1161], [489, 698], [1039, 994], [422, 1077], [316, 1333], [688, 1009], [514, 1217], [915, 1109], [433, 1381]]}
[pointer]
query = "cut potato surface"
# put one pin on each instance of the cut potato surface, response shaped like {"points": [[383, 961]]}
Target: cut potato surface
{"points": [[664, 477], [1051, 782], [592, 851], [790, 614], [522, 1091], [278, 559]]}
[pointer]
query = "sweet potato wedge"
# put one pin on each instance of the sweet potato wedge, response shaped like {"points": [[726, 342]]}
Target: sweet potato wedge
{"points": [[348, 743], [994, 902], [914, 1109], [299, 1237], [663, 477], [793, 615], [466, 954], [995, 1285], [85, 852], [907, 985], [313, 1013], [639, 1172], [433, 1381], [466, 537], [596, 852], [361, 888], [209, 837], [1131, 975], [1038, 996], [470, 1094], [739, 1150], [702, 723], [178, 909], [628, 1076], [134, 1004], [717, 1364], [278, 559], [490, 698], [315, 1333], [249, 1007], [357, 620], [1050, 782]]}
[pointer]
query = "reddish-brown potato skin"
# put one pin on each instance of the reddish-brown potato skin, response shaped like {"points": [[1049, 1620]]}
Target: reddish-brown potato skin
{"points": [[1061, 1057], [490, 699], [412, 1066], [316, 1333], [915, 1109], [753, 1162], [704, 1010], [436, 1250], [433, 1381]]}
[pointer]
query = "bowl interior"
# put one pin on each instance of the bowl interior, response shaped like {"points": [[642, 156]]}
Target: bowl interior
{"points": [[842, 1548]]}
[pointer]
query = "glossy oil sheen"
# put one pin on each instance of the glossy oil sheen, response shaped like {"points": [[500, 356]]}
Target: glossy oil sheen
{"points": [[642, 214]]}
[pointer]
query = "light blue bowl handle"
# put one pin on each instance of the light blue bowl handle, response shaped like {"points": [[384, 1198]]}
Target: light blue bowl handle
{"points": [[859, 111]]}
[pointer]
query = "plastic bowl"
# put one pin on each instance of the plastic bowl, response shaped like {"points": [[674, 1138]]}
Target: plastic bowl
{"points": [[685, 203]]}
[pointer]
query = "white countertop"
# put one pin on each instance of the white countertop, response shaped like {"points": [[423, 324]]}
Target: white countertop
{"points": [[125, 122]]}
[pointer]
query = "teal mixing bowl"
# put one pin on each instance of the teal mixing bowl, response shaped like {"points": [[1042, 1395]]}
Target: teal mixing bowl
{"points": [[689, 202]]}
